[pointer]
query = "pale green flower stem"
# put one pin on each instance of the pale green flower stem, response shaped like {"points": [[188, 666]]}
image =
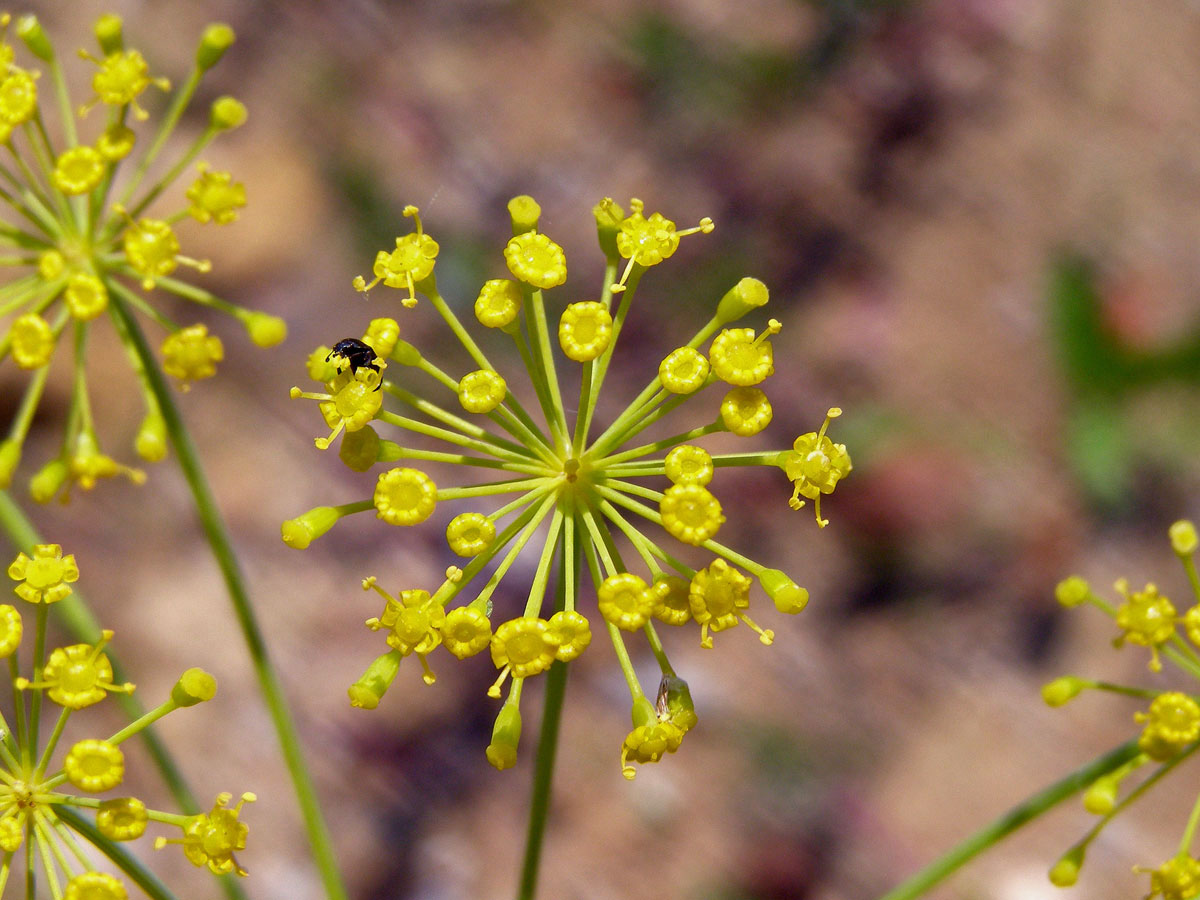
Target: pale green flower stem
{"points": [[223, 552], [552, 706], [1019, 815]]}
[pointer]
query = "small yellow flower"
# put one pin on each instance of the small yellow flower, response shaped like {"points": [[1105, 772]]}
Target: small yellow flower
{"points": [[689, 464], [46, 576], [740, 358], [469, 534], [18, 98], [536, 260], [648, 744], [671, 605], [683, 371], [12, 832], [11, 630], [381, 336], [191, 353], [212, 838], [122, 78], [95, 886], [1146, 618], [152, 249], [95, 765], [717, 596], [571, 632], [86, 296], [466, 631], [122, 818], [215, 197], [690, 513], [585, 330], [815, 465], [524, 646], [498, 303], [353, 400], [32, 341], [405, 497], [412, 261], [625, 601], [1172, 722], [481, 391], [746, 411], [647, 241], [79, 675], [1176, 879], [78, 170], [116, 142]]}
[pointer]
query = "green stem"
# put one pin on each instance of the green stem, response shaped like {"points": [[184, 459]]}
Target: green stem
{"points": [[222, 548], [543, 765], [1010, 821]]}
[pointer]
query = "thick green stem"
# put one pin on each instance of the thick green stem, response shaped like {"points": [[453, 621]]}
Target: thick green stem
{"points": [[222, 548], [1006, 824]]}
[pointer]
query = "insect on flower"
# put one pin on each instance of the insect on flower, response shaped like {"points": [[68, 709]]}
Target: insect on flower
{"points": [[357, 355]]}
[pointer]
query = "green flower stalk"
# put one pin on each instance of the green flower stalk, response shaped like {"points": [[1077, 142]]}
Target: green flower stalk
{"points": [[80, 245], [566, 495], [42, 821]]}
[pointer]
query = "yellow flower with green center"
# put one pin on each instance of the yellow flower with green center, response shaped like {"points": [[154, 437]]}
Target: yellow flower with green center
{"points": [[86, 244], [44, 823], [559, 480]]}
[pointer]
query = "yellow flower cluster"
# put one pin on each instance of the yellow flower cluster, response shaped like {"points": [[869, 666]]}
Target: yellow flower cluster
{"points": [[577, 490], [80, 250], [35, 812], [1170, 725]]}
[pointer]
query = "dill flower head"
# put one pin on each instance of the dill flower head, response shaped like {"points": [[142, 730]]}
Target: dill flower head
{"points": [[84, 241], [1169, 721], [594, 497], [42, 819]]}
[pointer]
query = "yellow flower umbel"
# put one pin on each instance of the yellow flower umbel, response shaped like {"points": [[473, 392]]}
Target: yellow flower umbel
{"points": [[43, 824], [578, 491], [83, 244], [1169, 721]]}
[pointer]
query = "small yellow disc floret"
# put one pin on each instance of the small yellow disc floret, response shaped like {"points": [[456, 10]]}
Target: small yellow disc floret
{"points": [[741, 359], [46, 576], [86, 296], [95, 886], [18, 98], [684, 371], [215, 197], [536, 260], [405, 497], [1172, 722], [466, 631], [151, 249], [671, 604], [746, 411], [1176, 879], [191, 353], [585, 330], [718, 597], [116, 142], [625, 601], [79, 675], [78, 170], [525, 646], [412, 261], [689, 464], [32, 341], [95, 766], [212, 838], [1146, 618], [815, 465], [469, 534], [690, 513], [498, 303], [571, 632], [481, 391], [122, 818], [11, 629]]}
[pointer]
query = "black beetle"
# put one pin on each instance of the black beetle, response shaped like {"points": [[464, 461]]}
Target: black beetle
{"points": [[357, 354]]}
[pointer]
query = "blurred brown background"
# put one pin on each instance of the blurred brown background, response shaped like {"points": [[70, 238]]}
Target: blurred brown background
{"points": [[979, 223]]}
